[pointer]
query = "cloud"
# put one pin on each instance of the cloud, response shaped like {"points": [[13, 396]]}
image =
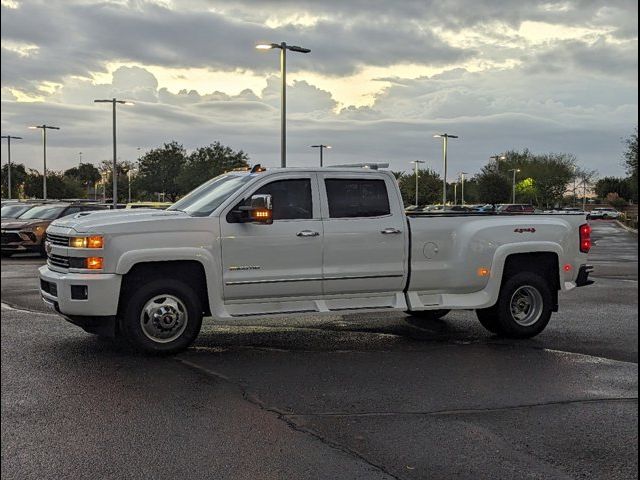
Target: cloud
{"points": [[569, 87]]}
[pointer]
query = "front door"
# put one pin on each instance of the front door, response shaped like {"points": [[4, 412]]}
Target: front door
{"points": [[276, 263]]}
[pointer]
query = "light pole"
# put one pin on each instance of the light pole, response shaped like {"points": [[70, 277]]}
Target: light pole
{"points": [[445, 137], [113, 102], [283, 100], [513, 194], [417, 165], [321, 147], [9, 137], [497, 158], [44, 129], [462, 174], [129, 185]]}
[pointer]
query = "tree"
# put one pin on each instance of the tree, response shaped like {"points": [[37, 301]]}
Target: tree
{"points": [[620, 186], [160, 168], [18, 177], [493, 186], [208, 162], [429, 187], [105, 169], [58, 186], [86, 174], [550, 173], [631, 163]]}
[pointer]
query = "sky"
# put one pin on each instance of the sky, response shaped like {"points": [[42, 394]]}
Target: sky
{"points": [[381, 79]]}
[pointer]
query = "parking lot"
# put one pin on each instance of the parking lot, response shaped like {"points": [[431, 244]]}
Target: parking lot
{"points": [[359, 396]]}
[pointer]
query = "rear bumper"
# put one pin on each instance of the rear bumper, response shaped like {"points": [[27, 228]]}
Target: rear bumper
{"points": [[583, 276]]}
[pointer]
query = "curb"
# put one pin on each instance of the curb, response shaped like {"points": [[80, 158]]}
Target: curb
{"points": [[628, 229]]}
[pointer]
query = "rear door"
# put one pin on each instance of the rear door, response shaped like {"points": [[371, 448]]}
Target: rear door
{"points": [[365, 234], [284, 259]]}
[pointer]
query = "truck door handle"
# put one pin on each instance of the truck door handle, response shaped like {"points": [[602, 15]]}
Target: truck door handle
{"points": [[388, 231], [307, 233]]}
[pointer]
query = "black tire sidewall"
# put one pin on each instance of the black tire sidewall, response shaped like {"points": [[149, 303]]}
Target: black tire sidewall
{"points": [[129, 320], [504, 320], [488, 318]]}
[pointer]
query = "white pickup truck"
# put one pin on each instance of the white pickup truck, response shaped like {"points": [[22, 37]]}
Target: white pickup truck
{"points": [[300, 241]]}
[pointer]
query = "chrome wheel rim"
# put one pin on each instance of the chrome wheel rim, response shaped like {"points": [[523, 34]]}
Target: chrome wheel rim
{"points": [[526, 305], [163, 318]]}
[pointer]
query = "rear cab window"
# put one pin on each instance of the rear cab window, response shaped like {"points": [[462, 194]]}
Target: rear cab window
{"points": [[357, 197]]}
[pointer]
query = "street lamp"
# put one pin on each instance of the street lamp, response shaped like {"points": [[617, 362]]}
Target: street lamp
{"points": [[462, 174], [513, 196], [44, 129], [497, 158], [321, 147], [445, 137], [417, 164], [283, 100], [113, 102], [9, 137]]}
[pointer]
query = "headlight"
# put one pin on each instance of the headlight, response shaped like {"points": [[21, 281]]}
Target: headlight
{"points": [[94, 241]]}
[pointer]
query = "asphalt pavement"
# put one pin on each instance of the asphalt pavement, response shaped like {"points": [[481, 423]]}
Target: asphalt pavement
{"points": [[357, 396]]}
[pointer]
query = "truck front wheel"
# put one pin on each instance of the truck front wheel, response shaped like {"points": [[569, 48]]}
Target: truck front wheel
{"points": [[523, 309], [162, 316]]}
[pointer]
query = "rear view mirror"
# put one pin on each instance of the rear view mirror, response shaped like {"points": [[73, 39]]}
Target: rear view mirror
{"points": [[258, 209]]}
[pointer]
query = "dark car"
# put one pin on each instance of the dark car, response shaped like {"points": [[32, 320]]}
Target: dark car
{"points": [[27, 232], [14, 210], [516, 208]]}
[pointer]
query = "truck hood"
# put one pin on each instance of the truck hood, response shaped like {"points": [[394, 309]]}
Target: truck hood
{"points": [[119, 221]]}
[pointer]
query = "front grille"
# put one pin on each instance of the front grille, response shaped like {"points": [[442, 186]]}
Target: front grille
{"points": [[10, 237], [59, 261], [60, 240]]}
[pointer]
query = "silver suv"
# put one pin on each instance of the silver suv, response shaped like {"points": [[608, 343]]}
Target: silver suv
{"points": [[603, 212]]}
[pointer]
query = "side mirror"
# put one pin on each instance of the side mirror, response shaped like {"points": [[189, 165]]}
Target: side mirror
{"points": [[259, 209]]}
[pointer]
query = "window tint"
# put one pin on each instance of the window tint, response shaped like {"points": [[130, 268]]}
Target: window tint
{"points": [[357, 198], [290, 199], [71, 211]]}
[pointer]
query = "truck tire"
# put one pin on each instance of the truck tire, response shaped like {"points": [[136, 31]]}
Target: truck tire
{"points": [[523, 309], [428, 314], [488, 319], [162, 316]]}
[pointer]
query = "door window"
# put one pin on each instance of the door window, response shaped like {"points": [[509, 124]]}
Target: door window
{"points": [[350, 198], [291, 199]]}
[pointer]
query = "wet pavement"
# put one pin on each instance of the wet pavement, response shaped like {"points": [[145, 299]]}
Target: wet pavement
{"points": [[357, 396]]}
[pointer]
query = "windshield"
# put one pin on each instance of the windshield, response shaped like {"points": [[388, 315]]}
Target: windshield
{"points": [[202, 201], [44, 212], [12, 211]]}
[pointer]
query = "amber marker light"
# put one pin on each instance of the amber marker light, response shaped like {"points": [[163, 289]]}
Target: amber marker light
{"points": [[95, 263], [483, 272], [95, 241], [262, 214]]}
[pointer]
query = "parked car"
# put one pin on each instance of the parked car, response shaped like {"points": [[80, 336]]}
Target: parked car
{"points": [[515, 208], [27, 232], [154, 205], [14, 210], [604, 213], [299, 241]]}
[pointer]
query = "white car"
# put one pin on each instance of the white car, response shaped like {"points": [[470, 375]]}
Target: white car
{"points": [[300, 241], [604, 213]]}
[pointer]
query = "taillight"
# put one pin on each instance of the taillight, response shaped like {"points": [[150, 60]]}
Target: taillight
{"points": [[585, 238]]}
